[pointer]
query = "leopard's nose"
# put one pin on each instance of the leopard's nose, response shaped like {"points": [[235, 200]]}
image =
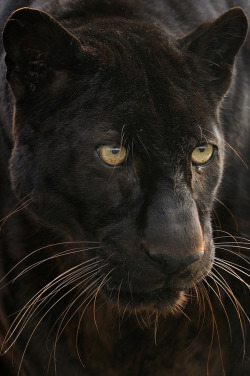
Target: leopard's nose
{"points": [[175, 264]]}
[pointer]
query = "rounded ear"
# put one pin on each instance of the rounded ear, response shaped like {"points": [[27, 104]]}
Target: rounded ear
{"points": [[216, 43], [36, 46], [221, 39]]}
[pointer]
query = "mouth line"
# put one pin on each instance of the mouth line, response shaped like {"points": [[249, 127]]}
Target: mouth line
{"points": [[159, 299]]}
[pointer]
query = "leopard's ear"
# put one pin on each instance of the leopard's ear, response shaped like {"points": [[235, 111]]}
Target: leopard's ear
{"points": [[216, 43], [37, 48]]}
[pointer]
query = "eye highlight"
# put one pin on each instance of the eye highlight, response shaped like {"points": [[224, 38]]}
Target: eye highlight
{"points": [[112, 155], [203, 154]]}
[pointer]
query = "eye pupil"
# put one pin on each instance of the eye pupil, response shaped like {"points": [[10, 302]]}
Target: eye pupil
{"points": [[202, 149], [115, 151]]}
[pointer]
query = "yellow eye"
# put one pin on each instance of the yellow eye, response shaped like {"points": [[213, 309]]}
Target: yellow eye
{"points": [[112, 155], [202, 154]]}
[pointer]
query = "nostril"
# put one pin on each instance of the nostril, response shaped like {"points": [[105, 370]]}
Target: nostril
{"points": [[173, 264]]}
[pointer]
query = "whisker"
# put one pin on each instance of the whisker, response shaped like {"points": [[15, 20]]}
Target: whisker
{"points": [[35, 299], [229, 211], [64, 314], [103, 282], [236, 304], [240, 268], [241, 256], [27, 344], [236, 153], [156, 327], [18, 207], [144, 147], [40, 249], [217, 294], [199, 290], [213, 325], [231, 271], [61, 254], [74, 277], [238, 240], [230, 146], [215, 328], [137, 319], [231, 245], [226, 288], [227, 235]]}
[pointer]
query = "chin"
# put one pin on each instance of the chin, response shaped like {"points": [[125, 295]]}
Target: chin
{"points": [[162, 301]]}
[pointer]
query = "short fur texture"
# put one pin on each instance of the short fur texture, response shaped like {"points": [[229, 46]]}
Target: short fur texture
{"points": [[139, 267]]}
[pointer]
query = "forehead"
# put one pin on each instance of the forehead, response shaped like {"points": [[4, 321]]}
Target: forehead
{"points": [[157, 111], [150, 89]]}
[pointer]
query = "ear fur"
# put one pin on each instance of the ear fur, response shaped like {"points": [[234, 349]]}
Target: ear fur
{"points": [[216, 43], [221, 39], [36, 46]]}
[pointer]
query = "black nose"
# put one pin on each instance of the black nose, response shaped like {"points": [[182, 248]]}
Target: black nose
{"points": [[175, 264]]}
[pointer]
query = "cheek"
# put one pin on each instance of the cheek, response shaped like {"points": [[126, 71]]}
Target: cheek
{"points": [[22, 171], [204, 183], [108, 199]]}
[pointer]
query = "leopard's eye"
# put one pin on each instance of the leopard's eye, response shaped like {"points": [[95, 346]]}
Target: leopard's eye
{"points": [[112, 155], [203, 154]]}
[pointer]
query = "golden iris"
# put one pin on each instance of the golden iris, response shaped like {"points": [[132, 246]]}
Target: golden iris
{"points": [[202, 154], [112, 155]]}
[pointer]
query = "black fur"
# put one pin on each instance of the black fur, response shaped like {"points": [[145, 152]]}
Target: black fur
{"points": [[108, 260]]}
